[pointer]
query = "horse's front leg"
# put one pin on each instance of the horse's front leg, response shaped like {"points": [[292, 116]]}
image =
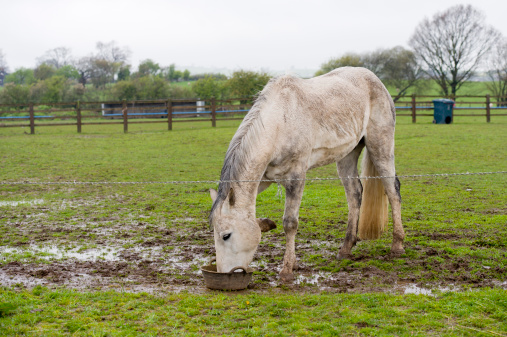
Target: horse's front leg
{"points": [[293, 194]]}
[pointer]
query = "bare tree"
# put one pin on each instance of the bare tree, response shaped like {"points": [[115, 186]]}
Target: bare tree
{"points": [[57, 57], [452, 45], [3, 62], [111, 52], [497, 72], [110, 58], [3, 68], [85, 67]]}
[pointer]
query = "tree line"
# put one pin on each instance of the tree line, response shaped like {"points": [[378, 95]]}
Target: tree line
{"points": [[449, 49], [107, 75]]}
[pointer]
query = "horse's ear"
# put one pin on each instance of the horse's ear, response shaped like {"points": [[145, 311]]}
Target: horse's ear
{"points": [[231, 197], [266, 224], [214, 194]]}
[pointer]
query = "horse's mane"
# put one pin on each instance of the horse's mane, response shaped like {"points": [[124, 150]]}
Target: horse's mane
{"points": [[239, 152], [247, 137]]}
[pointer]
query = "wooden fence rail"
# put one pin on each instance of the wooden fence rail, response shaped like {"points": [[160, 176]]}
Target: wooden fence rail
{"points": [[172, 111]]}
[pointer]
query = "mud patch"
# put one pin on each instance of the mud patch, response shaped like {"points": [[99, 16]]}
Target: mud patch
{"points": [[134, 246]]}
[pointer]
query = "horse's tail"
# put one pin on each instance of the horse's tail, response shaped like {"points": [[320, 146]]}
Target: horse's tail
{"points": [[373, 215]]}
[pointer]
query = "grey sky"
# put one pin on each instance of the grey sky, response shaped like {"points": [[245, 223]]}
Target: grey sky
{"points": [[269, 35]]}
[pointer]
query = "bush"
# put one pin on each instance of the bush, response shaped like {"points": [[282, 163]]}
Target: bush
{"points": [[15, 94], [208, 87]]}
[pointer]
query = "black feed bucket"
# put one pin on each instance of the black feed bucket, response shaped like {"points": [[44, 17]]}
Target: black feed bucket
{"points": [[238, 278]]}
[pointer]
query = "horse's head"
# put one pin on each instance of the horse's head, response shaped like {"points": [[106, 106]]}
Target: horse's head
{"points": [[237, 234]]}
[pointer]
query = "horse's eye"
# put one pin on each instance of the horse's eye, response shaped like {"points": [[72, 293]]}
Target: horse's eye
{"points": [[226, 236]]}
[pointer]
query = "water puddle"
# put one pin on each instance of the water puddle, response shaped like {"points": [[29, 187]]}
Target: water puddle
{"points": [[415, 289], [313, 278], [59, 253], [21, 202]]}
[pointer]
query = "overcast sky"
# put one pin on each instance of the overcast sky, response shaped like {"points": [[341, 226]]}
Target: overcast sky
{"points": [[259, 35]]}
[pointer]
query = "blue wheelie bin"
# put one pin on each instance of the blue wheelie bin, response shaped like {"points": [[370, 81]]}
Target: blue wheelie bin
{"points": [[442, 111]]}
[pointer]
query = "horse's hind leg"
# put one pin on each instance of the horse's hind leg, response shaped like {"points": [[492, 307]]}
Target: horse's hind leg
{"points": [[293, 194], [347, 167], [380, 145]]}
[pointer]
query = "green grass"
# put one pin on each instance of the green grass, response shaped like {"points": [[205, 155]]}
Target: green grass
{"points": [[456, 235], [44, 312]]}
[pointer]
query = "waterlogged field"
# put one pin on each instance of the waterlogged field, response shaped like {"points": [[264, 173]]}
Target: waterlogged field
{"points": [[123, 259]]}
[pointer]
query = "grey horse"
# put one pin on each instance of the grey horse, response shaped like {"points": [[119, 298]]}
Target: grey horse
{"points": [[295, 125]]}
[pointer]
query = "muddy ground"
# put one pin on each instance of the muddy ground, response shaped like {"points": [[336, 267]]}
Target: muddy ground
{"points": [[146, 252]]}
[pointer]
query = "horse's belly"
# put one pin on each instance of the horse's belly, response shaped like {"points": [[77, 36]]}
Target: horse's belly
{"points": [[330, 151], [324, 156]]}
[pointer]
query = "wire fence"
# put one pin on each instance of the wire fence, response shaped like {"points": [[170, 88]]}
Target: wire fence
{"points": [[193, 182]]}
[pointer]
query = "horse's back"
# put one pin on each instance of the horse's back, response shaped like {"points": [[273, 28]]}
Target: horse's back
{"points": [[325, 116], [345, 92]]}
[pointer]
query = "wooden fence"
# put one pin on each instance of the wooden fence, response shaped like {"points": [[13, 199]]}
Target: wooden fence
{"points": [[172, 111]]}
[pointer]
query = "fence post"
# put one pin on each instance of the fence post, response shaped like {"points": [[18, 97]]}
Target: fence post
{"points": [[78, 116], [213, 112], [169, 107], [32, 118], [488, 109], [413, 109], [125, 117]]}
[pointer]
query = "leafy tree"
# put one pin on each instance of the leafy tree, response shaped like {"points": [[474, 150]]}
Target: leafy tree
{"points": [[177, 91], [44, 71], [452, 45], [21, 76], [68, 72], [186, 75], [148, 67], [13, 93], [349, 59], [51, 90], [125, 90], [397, 67], [217, 76], [246, 84], [102, 72], [171, 72], [151, 87], [124, 73], [209, 87]]}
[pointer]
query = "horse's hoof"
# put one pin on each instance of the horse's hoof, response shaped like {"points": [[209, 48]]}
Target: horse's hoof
{"points": [[397, 252], [287, 277], [344, 256]]}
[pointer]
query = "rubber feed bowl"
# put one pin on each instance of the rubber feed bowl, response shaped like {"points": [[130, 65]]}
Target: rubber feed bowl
{"points": [[232, 280]]}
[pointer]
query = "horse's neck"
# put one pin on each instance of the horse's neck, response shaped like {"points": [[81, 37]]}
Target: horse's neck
{"points": [[248, 183], [246, 192], [251, 156]]}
